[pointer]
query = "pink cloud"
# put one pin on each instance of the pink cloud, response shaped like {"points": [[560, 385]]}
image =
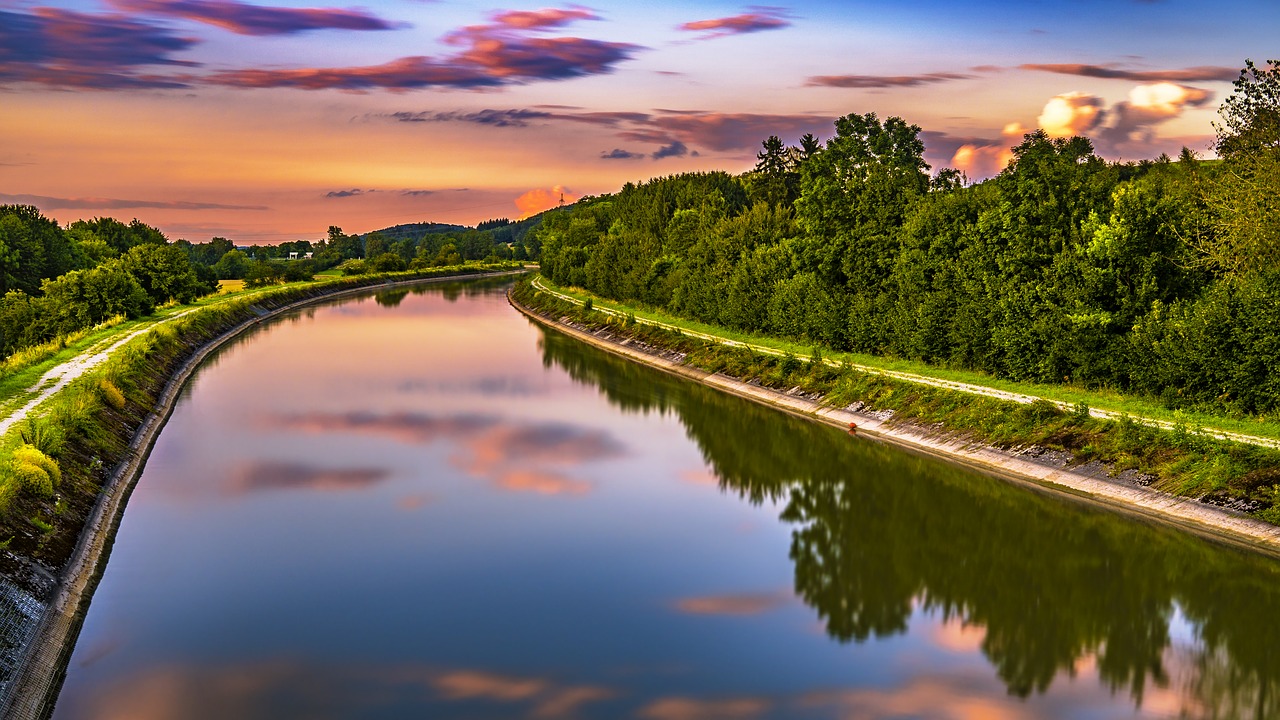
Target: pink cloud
{"points": [[544, 18], [760, 18]]}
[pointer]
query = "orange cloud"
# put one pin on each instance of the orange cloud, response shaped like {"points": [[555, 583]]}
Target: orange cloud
{"points": [[740, 604], [979, 160], [539, 199], [679, 708], [1072, 113]]}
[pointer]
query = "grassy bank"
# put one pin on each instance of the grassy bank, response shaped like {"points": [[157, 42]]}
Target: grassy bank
{"points": [[1176, 460], [1096, 398], [53, 464]]}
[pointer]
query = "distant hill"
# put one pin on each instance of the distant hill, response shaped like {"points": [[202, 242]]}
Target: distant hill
{"points": [[415, 231]]}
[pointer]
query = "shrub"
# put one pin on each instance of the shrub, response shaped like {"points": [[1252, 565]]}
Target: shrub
{"points": [[30, 455], [111, 394]]}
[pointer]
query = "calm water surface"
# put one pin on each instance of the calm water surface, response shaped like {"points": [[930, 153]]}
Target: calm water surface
{"points": [[422, 505]]}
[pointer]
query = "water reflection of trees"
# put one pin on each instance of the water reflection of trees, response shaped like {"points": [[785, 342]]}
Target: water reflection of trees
{"points": [[878, 532]]}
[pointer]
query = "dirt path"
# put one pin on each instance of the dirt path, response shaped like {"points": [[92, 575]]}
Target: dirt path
{"points": [[933, 382], [60, 376]]}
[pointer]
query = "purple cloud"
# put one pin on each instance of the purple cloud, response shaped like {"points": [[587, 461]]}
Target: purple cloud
{"points": [[672, 149], [494, 55], [246, 19], [758, 18], [882, 81], [1200, 73], [353, 192], [65, 48], [620, 154]]}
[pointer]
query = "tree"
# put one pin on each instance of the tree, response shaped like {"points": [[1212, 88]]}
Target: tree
{"points": [[375, 243], [164, 272], [854, 196], [1246, 195], [232, 265], [387, 262]]}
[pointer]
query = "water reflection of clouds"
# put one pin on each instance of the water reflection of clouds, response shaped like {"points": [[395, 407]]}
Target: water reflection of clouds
{"points": [[683, 708], [283, 688], [259, 476], [495, 386], [516, 456], [734, 604], [280, 689]]}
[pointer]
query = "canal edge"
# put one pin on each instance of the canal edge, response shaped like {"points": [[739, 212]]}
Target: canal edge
{"points": [[1185, 513], [38, 678]]}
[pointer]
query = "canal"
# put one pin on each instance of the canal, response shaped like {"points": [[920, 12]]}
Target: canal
{"points": [[421, 504]]}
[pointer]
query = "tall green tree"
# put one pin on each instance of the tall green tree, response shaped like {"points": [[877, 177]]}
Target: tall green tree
{"points": [[855, 195], [1246, 195]]}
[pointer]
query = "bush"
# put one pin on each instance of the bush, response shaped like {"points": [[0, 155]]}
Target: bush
{"points": [[35, 471]]}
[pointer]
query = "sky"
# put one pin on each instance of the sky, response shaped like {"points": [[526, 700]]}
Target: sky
{"points": [[270, 121]]}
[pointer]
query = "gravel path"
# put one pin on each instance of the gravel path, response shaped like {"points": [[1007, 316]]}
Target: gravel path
{"points": [[60, 376]]}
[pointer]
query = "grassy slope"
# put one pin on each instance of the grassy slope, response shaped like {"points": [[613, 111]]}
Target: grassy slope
{"points": [[1099, 398]]}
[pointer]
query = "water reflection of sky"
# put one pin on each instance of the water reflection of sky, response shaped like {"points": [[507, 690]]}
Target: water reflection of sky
{"points": [[392, 510]]}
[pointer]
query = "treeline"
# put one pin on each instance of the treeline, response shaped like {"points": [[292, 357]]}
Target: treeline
{"points": [[57, 281], [1160, 277]]}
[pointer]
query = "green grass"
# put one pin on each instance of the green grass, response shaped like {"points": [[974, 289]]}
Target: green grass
{"points": [[1101, 399]]}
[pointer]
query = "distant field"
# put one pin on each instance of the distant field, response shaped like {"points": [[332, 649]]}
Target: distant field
{"points": [[230, 286]]}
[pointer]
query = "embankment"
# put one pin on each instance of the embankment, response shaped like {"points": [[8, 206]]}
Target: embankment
{"points": [[43, 651], [1092, 483]]}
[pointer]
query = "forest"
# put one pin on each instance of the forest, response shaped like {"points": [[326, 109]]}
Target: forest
{"points": [[55, 280], [1159, 277]]}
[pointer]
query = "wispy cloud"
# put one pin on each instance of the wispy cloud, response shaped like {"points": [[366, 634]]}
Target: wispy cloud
{"points": [[1200, 73], [756, 19], [668, 129], [353, 192], [620, 154], [883, 81], [45, 202], [246, 19]]}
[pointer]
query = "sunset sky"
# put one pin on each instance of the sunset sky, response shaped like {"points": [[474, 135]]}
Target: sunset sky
{"points": [[270, 122]]}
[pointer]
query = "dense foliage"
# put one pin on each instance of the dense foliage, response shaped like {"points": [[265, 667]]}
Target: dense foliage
{"points": [[59, 281], [1160, 277]]}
